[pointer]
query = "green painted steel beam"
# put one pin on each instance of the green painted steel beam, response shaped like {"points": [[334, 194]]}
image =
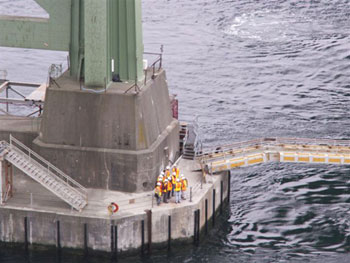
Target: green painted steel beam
{"points": [[39, 33], [125, 38], [103, 37], [95, 42]]}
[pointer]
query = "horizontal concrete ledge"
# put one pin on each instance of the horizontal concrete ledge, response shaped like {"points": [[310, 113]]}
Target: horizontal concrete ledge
{"points": [[162, 136]]}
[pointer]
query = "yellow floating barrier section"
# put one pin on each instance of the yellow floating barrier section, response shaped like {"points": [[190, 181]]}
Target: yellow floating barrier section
{"points": [[296, 150]]}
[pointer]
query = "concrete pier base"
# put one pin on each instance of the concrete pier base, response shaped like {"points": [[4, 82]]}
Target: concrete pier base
{"points": [[43, 211], [113, 139]]}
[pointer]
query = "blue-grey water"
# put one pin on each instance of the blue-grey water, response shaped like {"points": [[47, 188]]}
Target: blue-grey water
{"points": [[248, 69]]}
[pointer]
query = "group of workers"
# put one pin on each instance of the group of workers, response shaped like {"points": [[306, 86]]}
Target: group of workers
{"points": [[170, 183]]}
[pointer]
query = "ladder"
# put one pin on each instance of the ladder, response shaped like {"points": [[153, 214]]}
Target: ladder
{"points": [[44, 173]]}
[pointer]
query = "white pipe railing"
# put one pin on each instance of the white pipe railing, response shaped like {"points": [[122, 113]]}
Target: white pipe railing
{"points": [[274, 141], [59, 175]]}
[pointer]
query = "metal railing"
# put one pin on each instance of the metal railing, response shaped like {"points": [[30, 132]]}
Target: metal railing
{"points": [[7, 86], [198, 145], [51, 169], [273, 142], [155, 66]]}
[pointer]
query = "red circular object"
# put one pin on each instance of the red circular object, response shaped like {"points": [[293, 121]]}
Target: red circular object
{"points": [[116, 207]]}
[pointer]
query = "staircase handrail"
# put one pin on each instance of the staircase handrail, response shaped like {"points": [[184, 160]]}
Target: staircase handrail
{"points": [[50, 167], [58, 179]]}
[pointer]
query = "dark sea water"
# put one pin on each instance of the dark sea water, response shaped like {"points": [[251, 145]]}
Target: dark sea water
{"points": [[248, 69]]}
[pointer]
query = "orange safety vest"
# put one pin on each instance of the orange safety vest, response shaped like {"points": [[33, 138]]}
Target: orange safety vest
{"points": [[158, 191], [167, 173], [165, 187], [178, 187], [170, 186], [184, 184]]}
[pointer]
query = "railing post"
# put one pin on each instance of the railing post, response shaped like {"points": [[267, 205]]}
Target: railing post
{"points": [[191, 194], [7, 96]]}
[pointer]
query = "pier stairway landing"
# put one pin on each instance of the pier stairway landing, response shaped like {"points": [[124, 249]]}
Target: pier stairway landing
{"points": [[263, 150], [44, 173]]}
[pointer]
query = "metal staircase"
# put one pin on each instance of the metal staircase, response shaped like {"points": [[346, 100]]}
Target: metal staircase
{"points": [[191, 142], [44, 173]]}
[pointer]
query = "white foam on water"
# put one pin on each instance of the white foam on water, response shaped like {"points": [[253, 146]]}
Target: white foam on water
{"points": [[265, 26]]}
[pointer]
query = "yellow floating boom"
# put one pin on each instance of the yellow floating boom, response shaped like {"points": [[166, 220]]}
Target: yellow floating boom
{"points": [[295, 150]]}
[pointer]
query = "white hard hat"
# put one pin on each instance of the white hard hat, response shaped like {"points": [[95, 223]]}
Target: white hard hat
{"points": [[169, 178], [168, 167], [158, 183], [166, 180], [177, 180], [174, 173], [162, 173]]}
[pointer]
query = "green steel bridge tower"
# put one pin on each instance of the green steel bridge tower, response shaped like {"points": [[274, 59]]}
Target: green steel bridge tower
{"points": [[95, 126], [102, 37]]}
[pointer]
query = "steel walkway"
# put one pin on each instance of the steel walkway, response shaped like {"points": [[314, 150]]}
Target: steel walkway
{"points": [[295, 150], [44, 173]]}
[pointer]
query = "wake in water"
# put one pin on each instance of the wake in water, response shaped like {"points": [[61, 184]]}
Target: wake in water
{"points": [[269, 26]]}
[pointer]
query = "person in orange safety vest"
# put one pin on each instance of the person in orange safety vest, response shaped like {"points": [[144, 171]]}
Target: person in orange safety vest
{"points": [[167, 171], [173, 181], [184, 184], [165, 191], [170, 186], [177, 191], [158, 192], [177, 171]]}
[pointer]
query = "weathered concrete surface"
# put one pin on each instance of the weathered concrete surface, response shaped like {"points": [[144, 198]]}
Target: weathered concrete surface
{"points": [[111, 140], [25, 129], [45, 210], [112, 119]]}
